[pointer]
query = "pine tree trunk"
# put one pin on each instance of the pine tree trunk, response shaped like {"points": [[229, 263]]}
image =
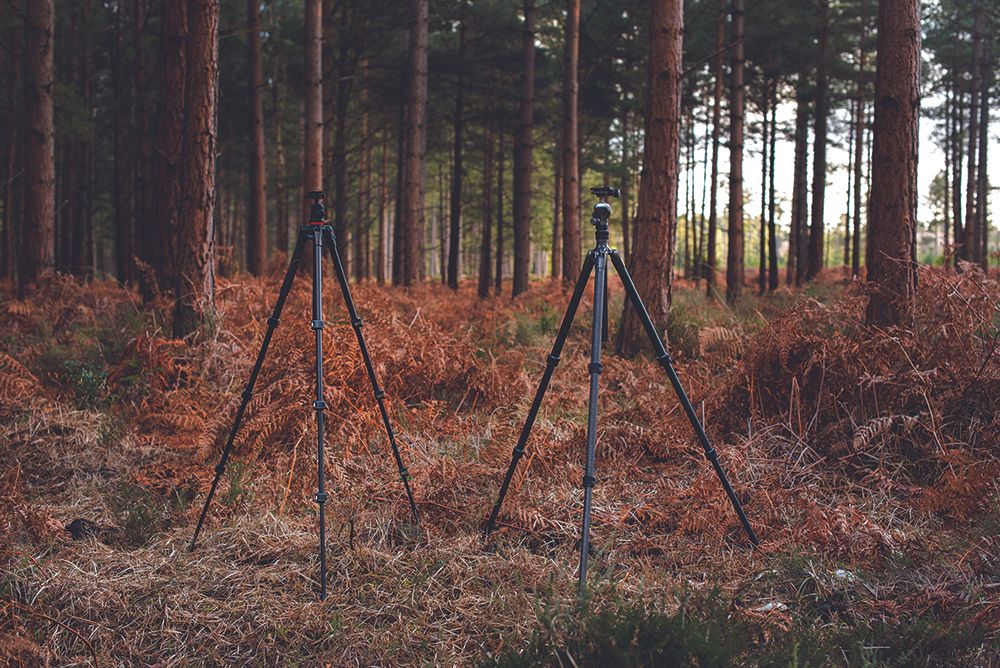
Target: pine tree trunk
{"points": [[398, 261], [734, 259], [897, 108], [362, 225], [859, 152], [799, 242], [656, 218], [957, 155], [523, 154], [816, 228], [312, 149], [851, 158], [167, 157], [485, 244], [39, 141], [383, 201], [625, 188], [416, 132], [455, 213], [971, 241], [772, 241], [278, 102], [257, 219], [713, 209], [557, 214], [498, 275], [982, 180], [570, 146], [765, 146], [342, 227], [195, 284]]}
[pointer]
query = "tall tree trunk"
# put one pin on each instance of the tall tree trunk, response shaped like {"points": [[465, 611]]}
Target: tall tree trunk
{"points": [[764, 147], [383, 197], [39, 141], [734, 258], [523, 154], [851, 159], [656, 218], [416, 135], [257, 219], [982, 180], [957, 154], [947, 175], [195, 284], [149, 243], [970, 249], [278, 102], [168, 155], [816, 228], [713, 209], [897, 108], [859, 153], [625, 187], [772, 241], [570, 146], [498, 276], [10, 179], [362, 225], [557, 214], [312, 149], [398, 255], [798, 250], [485, 244], [455, 233], [339, 151]]}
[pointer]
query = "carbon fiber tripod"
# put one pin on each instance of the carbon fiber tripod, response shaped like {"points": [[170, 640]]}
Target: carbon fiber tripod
{"points": [[317, 230], [597, 261]]}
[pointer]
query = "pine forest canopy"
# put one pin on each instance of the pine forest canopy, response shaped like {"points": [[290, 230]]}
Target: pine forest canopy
{"points": [[160, 143]]}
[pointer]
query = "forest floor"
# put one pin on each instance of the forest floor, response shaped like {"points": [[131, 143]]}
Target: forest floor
{"points": [[868, 462]]}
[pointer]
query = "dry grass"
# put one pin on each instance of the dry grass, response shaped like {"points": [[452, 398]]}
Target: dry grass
{"points": [[867, 460]]}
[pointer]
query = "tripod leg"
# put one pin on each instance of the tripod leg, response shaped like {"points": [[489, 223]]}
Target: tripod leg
{"points": [[663, 357], [319, 404], [553, 360], [272, 324], [597, 336], [379, 393]]}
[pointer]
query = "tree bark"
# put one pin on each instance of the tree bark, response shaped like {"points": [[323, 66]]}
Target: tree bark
{"points": [[970, 242], [168, 155], [570, 146], [765, 146], [278, 102], [416, 133], [897, 108], [734, 259], [498, 275], [383, 201], [713, 210], [362, 224], [485, 244], [626, 187], [257, 219], [859, 152], [557, 214], [312, 148], [455, 208], [195, 284], [523, 154], [772, 241], [816, 228], [656, 218], [342, 227], [982, 180], [957, 155], [39, 141], [798, 245]]}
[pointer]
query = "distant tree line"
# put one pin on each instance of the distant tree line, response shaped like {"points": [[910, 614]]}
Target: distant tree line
{"points": [[165, 142]]}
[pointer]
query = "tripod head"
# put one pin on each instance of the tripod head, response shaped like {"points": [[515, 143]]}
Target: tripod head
{"points": [[317, 211], [602, 210]]}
